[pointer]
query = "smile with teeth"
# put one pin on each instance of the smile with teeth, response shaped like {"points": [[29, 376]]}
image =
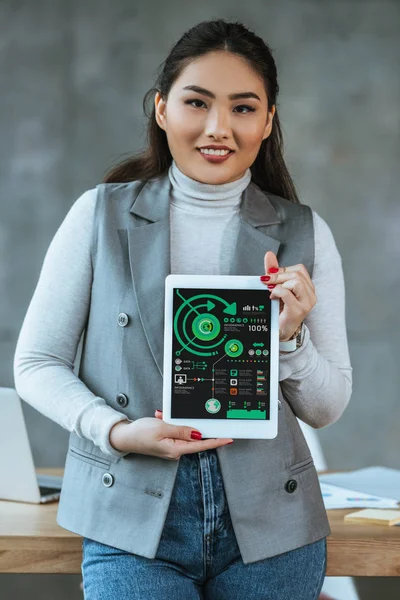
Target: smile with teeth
{"points": [[214, 152]]}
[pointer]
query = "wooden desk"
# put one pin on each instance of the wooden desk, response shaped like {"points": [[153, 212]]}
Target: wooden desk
{"points": [[32, 542]]}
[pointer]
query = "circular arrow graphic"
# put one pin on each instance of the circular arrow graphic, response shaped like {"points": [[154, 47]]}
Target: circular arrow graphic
{"points": [[197, 323]]}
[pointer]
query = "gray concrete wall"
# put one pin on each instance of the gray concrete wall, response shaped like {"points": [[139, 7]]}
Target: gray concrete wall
{"points": [[72, 78]]}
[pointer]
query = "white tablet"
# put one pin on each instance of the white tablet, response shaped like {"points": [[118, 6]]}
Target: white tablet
{"points": [[221, 356]]}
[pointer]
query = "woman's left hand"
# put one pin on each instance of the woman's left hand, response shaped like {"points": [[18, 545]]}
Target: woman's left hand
{"points": [[295, 290]]}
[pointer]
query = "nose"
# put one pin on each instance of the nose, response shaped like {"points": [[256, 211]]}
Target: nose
{"points": [[218, 123]]}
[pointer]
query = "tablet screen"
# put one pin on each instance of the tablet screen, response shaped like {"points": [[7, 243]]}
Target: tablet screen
{"points": [[220, 349]]}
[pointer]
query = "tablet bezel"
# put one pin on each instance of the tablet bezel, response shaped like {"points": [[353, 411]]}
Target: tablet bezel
{"points": [[234, 428]]}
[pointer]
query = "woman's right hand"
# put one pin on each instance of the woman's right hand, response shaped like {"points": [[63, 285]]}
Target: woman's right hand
{"points": [[154, 437]]}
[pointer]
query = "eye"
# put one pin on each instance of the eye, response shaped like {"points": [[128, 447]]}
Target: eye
{"points": [[248, 108], [191, 102], [245, 106]]}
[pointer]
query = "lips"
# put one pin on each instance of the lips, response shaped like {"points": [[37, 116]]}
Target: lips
{"points": [[214, 158]]}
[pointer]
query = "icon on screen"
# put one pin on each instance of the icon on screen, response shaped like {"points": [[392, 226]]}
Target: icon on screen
{"points": [[213, 405]]}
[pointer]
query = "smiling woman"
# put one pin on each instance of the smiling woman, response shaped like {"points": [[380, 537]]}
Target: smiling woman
{"points": [[163, 512], [199, 104]]}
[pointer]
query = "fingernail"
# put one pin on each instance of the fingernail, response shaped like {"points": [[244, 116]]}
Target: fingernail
{"points": [[229, 443], [273, 270], [196, 435], [265, 277], [271, 286], [158, 410]]}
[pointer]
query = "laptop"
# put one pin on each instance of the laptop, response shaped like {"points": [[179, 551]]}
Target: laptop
{"points": [[19, 480]]}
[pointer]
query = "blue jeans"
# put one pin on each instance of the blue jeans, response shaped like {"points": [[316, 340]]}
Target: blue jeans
{"points": [[198, 556]]}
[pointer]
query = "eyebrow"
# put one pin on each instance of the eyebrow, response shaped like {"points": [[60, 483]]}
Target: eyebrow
{"points": [[200, 90]]}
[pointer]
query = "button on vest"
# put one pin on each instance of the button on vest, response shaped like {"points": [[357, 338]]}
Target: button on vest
{"points": [[122, 400], [123, 319], [107, 479], [291, 486]]}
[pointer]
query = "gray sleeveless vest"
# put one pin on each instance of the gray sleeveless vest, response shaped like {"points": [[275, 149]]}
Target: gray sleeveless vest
{"points": [[123, 502]]}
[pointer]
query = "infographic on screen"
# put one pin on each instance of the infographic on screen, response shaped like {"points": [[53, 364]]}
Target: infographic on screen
{"points": [[220, 344]]}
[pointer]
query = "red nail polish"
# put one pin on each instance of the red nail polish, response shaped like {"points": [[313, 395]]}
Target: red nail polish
{"points": [[273, 270], [271, 286], [265, 277], [196, 435], [229, 443], [158, 410]]}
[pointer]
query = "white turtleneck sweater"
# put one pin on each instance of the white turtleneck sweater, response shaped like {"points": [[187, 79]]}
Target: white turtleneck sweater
{"points": [[204, 223], [204, 220]]}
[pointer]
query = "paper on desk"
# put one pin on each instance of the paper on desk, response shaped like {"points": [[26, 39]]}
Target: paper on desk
{"points": [[378, 481], [336, 497]]}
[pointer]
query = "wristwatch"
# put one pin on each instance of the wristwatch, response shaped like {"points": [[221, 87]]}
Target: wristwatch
{"points": [[294, 342]]}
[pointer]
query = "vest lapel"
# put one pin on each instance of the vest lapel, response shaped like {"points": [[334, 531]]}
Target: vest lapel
{"points": [[256, 215], [149, 250], [150, 261]]}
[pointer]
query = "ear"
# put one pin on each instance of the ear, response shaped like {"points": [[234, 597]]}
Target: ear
{"points": [[268, 126], [160, 108]]}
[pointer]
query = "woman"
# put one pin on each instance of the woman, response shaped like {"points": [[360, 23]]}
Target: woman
{"points": [[162, 511]]}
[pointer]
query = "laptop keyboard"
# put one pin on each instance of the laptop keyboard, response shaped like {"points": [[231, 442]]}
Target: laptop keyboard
{"points": [[46, 491]]}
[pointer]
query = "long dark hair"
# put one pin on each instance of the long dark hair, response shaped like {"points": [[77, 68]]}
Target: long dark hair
{"points": [[269, 170]]}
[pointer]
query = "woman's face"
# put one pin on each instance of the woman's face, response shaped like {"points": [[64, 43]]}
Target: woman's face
{"points": [[199, 118]]}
